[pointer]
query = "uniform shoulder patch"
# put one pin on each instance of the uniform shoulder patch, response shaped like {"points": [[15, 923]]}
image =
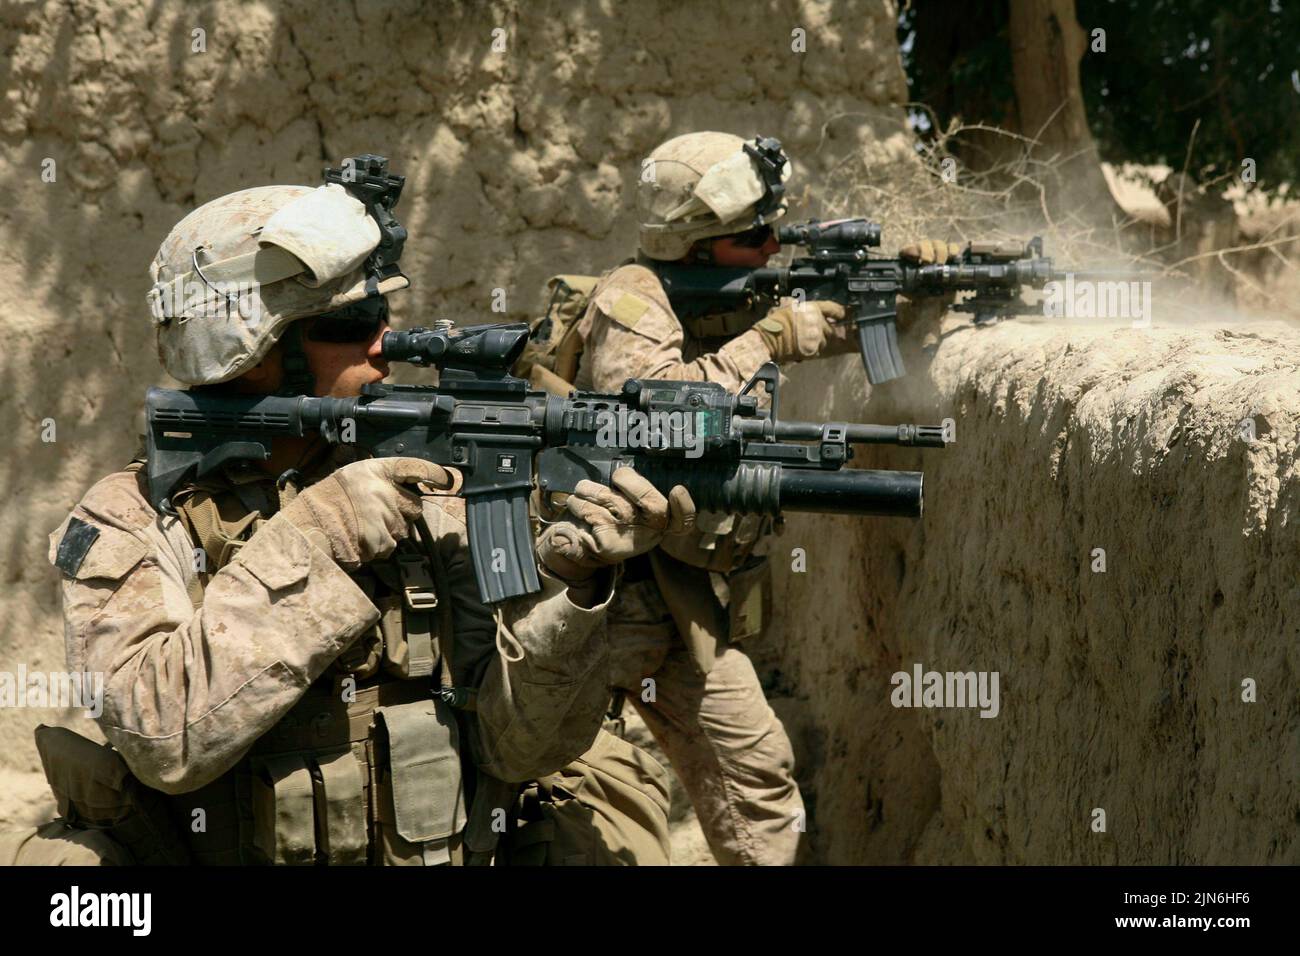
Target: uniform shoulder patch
{"points": [[628, 293], [643, 282], [77, 540], [627, 309]]}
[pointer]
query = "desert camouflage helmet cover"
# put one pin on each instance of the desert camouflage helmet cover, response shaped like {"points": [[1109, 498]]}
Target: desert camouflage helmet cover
{"points": [[235, 272], [702, 185]]}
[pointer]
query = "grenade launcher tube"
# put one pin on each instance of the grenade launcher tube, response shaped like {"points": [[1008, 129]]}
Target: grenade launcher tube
{"points": [[750, 487]]}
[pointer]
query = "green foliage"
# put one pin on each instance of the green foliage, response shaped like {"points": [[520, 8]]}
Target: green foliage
{"points": [[1235, 67], [1232, 66]]}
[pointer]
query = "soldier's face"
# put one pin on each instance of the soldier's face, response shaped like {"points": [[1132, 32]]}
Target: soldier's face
{"points": [[727, 251], [341, 368]]}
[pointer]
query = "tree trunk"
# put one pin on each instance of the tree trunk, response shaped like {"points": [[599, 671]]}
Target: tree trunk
{"points": [[1047, 44]]}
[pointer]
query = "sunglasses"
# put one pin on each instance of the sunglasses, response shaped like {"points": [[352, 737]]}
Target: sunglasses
{"points": [[754, 238], [358, 322]]}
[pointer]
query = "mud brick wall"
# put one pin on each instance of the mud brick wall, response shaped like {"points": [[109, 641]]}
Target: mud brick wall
{"points": [[1174, 450], [1120, 690]]}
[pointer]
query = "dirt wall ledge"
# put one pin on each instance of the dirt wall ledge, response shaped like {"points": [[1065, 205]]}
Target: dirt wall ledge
{"points": [[1168, 451]]}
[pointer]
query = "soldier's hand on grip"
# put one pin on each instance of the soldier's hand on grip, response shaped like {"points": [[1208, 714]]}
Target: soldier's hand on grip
{"points": [[363, 509], [794, 331], [930, 251], [606, 526]]}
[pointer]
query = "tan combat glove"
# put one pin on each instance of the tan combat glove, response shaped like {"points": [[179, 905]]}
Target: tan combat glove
{"points": [[609, 525], [930, 252], [363, 509], [793, 331]]}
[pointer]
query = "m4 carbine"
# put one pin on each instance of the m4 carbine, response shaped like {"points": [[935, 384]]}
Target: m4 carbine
{"points": [[838, 268], [731, 455]]}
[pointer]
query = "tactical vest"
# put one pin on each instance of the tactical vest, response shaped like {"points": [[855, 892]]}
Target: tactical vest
{"points": [[368, 767], [374, 764]]}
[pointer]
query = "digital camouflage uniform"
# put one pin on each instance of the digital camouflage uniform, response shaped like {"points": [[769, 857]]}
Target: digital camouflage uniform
{"points": [[236, 701], [262, 704], [667, 623]]}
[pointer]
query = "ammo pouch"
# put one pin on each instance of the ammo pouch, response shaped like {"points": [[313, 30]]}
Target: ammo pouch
{"points": [[308, 807], [376, 780], [421, 808], [96, 790]]}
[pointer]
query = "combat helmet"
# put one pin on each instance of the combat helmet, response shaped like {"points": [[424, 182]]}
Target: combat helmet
{"points": [[702, 185], [233, 276]]}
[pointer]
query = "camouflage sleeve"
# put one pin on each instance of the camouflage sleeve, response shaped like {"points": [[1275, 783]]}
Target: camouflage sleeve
{"points": [[630, 331], [188, 690], [542, 702], [541, 669]]}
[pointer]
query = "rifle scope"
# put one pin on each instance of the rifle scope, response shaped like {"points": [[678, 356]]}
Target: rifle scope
{"points": [[489, 347], [838, 234]]}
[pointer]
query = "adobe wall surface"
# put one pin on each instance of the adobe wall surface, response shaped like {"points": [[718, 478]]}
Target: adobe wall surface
{"points": [[1120, 689]]}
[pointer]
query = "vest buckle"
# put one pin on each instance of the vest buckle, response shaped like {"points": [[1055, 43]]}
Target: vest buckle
{"points": [[417, 583]]}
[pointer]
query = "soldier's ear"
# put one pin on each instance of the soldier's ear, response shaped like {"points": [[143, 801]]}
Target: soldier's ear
{"points": [[265, 375]]}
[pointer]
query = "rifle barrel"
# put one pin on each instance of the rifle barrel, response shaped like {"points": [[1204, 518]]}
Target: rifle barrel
{"points": [[924, 436]]}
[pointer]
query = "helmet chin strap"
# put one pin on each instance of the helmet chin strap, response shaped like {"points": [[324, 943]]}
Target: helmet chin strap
{"points": [[701, 253], [298, 379]]}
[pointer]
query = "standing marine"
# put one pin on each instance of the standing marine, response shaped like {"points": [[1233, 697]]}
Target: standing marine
{"points": [[683, 610]]}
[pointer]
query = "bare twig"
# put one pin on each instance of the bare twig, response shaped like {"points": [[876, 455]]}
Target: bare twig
{"points": [[1187, 158], [1245, 248]]}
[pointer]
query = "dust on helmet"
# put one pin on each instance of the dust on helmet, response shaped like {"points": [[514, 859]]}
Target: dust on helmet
{"points": [[233, 275], [702, 185]]}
